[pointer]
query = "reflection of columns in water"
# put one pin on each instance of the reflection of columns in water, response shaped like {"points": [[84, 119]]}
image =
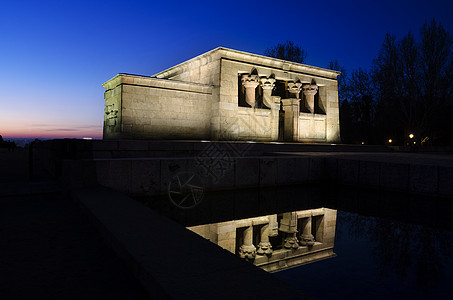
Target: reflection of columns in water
{"points": [[310, 91], [250, 82], [288, 224], [248, 250], [267, 84], [270, 229], [306, 238], [264, 247]]}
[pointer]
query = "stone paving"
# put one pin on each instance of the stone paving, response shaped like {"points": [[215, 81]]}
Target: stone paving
{"points": [[48, 249]]}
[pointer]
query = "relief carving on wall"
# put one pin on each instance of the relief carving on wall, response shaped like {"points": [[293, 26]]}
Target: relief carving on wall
{"points": [[111, 114]]}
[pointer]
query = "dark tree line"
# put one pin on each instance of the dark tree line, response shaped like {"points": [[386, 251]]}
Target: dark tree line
{"points": [[407, 90]]}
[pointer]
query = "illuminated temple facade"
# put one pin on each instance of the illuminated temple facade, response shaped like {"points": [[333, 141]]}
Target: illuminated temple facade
{"points": [[279, 241], [225, 94]]}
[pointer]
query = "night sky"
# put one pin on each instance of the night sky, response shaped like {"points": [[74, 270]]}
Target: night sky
{"points": [[55, 55]]}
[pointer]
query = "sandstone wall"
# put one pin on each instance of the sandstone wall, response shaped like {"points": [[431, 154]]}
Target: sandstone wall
{"points": [[229, 118], [161, 109], [198, 99], [312, 127]]}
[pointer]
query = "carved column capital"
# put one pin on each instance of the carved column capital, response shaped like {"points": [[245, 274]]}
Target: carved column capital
{"points": [[265, 247], [247, 249], [294, 88], [267, 83], [310, 91], [250, 82]]}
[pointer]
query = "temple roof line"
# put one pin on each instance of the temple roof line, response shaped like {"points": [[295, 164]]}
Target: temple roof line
{"points": [[251, 58]]}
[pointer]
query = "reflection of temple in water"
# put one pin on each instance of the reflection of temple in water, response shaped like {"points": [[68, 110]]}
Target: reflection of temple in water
{"points": [[278, 241]]}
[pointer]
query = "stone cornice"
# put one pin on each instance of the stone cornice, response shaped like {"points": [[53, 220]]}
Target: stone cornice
{"points": [[147, 81], [222, 52]]}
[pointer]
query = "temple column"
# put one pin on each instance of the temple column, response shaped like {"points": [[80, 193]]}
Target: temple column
{"points": [[267, 84], [248, 250], [250, 82], [294, 89], [310, 91], [270, 229], [306, 238], [272, 102], [289, 225]]}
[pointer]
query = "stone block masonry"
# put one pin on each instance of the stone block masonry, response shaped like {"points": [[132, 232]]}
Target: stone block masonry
{"points": [[150, 108], [201, 99]]}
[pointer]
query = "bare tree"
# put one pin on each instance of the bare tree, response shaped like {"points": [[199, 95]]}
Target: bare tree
{"points": [[437, 70], [287, 51]]}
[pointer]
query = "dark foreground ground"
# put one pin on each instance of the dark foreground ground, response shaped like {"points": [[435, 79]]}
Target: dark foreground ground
{"points": [[48, 248]]}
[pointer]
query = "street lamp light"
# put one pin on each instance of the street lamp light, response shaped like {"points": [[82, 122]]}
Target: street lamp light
{"points": [[411, 136]]}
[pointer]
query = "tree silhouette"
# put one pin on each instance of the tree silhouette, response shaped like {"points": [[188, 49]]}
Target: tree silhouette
{"points": [[409, 89], [287, 51]]}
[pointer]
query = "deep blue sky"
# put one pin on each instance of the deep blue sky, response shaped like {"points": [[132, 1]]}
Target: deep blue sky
{"points": [[54, 55]]}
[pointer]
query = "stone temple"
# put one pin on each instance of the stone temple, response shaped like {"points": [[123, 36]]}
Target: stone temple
{"points": [[226, 94]]}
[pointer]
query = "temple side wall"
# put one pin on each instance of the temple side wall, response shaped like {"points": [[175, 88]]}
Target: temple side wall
{"points": [[256, 124], [312, 128], [333, 114], [204, 69], [160, 109], [112, 111]]}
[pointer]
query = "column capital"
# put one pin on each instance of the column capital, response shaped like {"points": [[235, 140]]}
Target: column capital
{"points": [[250, 81], [310, 89], [294, 88], [267, 83]]}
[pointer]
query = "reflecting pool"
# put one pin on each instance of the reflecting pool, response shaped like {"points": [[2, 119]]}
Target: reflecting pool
{"points": [[335, 242], [382, 258]]}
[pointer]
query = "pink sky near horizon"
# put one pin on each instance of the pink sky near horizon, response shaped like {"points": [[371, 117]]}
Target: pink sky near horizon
{"points": [[45, 123], [19, 127]]}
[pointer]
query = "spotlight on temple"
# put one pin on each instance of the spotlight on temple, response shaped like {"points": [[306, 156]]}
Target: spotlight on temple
{"points": [[411, 136], [390, 141]]}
